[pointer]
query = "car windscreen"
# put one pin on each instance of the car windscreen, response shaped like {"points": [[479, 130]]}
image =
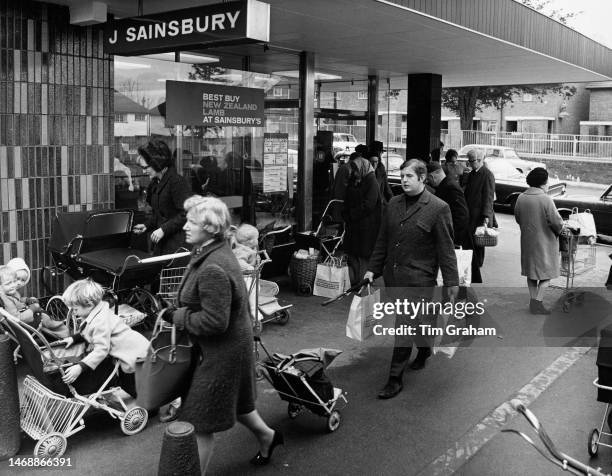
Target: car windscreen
{"points": [[503, 170], [511, 154]]}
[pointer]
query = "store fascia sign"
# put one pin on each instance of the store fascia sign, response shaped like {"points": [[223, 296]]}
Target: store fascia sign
{"points": [[203, 104], [245, 21]]}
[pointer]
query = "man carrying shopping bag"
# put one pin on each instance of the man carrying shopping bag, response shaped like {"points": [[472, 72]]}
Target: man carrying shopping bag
{"points": [[360, 322], [415, 239]]}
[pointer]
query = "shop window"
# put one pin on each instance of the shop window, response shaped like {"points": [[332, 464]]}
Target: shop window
{"points": [[140, 117], [362, 95], [121, 118]]}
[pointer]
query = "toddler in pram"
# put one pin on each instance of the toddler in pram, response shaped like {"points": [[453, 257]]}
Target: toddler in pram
{"points": [[13, 277]]}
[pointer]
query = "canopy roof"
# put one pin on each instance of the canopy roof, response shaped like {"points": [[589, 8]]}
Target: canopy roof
{"points": [[468, 42]]}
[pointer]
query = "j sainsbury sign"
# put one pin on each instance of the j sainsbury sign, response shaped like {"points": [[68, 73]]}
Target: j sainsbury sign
{"points": [[209, 25]]}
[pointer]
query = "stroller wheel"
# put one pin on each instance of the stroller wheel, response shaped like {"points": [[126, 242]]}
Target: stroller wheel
{"points": [[134, 421], [304, 290], [333, 421], [282, 317], [143, 301], [610, 420], [52, 445], [56, 309], [593, 443], [259, 373], [293, 410]]}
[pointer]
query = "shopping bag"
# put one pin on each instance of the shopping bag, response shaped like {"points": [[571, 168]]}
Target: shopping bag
{"points": [[585, 221], [464, 267], [332, 278], [163, 375], [360, 322]]}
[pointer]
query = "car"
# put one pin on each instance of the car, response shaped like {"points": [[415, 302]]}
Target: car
{"points": [[392, 162], [509, 183], [499, 152], [600, 207], [344, 142]]}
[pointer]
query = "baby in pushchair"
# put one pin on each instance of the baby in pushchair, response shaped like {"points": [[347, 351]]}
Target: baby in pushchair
{"points": [[101, 334], [244, 245], [13, 277]]}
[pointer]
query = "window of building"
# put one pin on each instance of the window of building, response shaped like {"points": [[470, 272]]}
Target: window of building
{"points": [[120, 117], [489, 126], [476, 125], [444, 125], [278, 92], [362, 95], [511, 126], [527, 97], [140, 117]]}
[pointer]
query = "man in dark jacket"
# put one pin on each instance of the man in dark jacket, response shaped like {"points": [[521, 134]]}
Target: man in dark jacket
{"points": [[415, 240], [449, 190], [479, 195]]}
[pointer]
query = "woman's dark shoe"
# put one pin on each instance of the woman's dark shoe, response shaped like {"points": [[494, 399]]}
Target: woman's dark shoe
{"points": [[532, 306], [261, 460], [538, 308]]}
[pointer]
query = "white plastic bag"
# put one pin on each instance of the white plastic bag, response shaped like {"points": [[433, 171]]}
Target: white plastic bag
{"points": [[585, 221], [360, 322], [464, 267], [332, 278]]}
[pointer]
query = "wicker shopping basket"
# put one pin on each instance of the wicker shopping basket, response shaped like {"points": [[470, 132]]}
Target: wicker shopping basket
{"points": [[486, 239], [303, 272]]}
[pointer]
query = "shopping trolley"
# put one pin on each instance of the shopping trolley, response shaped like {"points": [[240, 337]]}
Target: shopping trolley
{"points": [[576, 258], [552, 454]]}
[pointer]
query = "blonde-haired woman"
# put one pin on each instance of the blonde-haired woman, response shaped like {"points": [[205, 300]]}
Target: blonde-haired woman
{"points": [[213, 308]]}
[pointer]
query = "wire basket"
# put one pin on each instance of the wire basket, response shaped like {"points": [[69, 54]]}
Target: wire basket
{"points": [[44, 412], [303, 272], [169, 281]]}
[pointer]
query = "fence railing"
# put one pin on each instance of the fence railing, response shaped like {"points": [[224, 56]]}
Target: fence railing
{"points": [[533, 144]]}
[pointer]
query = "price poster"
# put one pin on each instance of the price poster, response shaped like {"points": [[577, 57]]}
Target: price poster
{"points": [[276, 160]]}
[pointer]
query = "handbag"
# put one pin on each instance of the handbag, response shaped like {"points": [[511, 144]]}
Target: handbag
{"points": [[163, 375], [360, 322], [485, 236], [332, 278]]}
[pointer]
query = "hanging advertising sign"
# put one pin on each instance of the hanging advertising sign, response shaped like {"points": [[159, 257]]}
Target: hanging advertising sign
{"points": [[275, 162], [244, 21], [201, 104]]}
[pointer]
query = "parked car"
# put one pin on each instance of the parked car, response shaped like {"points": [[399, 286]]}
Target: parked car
{"points": [[392, 162], [509, 183], [600, 207], [499, 152], [344, 142]]}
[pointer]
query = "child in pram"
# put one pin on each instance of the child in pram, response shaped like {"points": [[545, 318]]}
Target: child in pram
{"points": [[101, 334], [14, 276], [244, 246]]}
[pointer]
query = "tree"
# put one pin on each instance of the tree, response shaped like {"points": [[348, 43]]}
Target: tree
{"points": [[466, 101]]}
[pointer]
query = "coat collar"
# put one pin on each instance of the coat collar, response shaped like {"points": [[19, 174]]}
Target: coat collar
{"points": [[534, 191], [198, 256], [408, 211], [100, 308], [164, 180]]}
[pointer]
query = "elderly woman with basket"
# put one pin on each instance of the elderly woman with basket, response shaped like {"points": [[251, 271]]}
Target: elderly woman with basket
{"points": [[214, 310], [540, 224]]}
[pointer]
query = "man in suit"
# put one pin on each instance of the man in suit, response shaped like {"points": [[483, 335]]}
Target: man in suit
{"points": [[479, 194], [415, 239], [450, 192]]}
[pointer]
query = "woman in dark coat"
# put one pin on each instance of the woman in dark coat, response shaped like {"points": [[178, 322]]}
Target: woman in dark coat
{"points": [[166, 194], [362, 214], [375, 153], [214, 309]]}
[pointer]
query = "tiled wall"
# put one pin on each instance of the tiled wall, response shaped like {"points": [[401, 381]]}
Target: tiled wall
{"points": [[56, 130]]}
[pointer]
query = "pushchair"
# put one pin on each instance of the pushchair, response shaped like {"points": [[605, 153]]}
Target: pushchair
{"points": [[301, 381], [51, 411], [603, 382]]}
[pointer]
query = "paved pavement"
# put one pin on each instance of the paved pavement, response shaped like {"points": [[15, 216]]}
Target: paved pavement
{"points": [[447, 419]]}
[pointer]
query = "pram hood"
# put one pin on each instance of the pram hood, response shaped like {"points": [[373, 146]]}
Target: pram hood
{"points": [[320, 354]]}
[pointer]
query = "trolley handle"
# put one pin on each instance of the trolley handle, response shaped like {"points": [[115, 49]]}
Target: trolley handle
{"points": [[567, 463]]}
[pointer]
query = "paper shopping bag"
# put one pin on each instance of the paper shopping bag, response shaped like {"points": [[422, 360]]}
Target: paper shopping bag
{"points": [[464, 267], [332, 278], [360, 322]]}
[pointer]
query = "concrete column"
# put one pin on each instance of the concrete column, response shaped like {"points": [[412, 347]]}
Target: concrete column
{"points": [[424, 110], [306, 142], [372, 119]]}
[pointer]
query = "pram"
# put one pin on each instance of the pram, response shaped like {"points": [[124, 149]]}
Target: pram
{"points": [[300, 380], [97, 245], [604, 390], [51, 411]]}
